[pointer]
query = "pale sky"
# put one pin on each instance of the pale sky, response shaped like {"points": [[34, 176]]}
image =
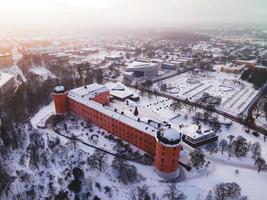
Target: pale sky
{"points": [[93, 14]]}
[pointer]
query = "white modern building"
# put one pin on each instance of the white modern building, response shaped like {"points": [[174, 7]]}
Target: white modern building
{"points": [[144, 69]]}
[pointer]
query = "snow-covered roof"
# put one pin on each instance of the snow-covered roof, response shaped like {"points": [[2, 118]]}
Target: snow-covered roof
{"points": [[143, 66], [120, 90], [171, 134], [118, 86], [108, 111], [114, 56], [4, 78], [194, 131], [127, 73], [89, 91], [59, 89]]}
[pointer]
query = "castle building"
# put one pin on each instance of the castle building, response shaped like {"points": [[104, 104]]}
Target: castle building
{"points": [[157, 139]]}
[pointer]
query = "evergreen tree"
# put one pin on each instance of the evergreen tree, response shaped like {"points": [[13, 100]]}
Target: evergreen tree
{"points": [[136, 111]]}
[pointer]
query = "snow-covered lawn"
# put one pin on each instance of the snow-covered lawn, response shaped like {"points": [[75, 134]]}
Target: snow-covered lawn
{"points": [[42, 115], [42, 71], [235, 94], [197, 183]]}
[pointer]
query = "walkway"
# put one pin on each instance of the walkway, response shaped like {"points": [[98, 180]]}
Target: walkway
{"points": [[238, 119]]}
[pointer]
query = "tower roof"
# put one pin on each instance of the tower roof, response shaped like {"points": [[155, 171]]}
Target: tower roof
{"points": [[59, 89], [169, 136]]}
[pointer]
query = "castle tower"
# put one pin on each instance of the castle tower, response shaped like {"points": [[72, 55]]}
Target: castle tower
{"points": [[167, 153], [60, 100]]}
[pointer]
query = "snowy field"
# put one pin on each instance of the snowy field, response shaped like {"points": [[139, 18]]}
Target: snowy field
{"points": [[43, 72], [197, 182], [15, 70], [235, 94]]}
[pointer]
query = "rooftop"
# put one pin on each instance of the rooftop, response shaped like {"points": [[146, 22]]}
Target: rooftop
{"points": [[89, 91], [80, 96], [194, 131], [141, 65], [59, 89], [120, 90]]}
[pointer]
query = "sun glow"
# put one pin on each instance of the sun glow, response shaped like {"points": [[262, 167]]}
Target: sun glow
{"points": [[58, 14]]}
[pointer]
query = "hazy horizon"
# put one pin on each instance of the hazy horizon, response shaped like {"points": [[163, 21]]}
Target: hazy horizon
{"points": [[101, 15]]}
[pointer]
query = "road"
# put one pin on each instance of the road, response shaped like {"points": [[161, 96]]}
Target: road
{"points": [[249, 109], [229, 163], [239, 119]]}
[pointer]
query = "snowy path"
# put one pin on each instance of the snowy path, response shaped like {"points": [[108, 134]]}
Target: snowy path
{"points": [[222, 161], [229, 163]]}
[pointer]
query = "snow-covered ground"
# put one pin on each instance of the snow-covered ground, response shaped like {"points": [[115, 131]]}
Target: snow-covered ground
{"points": [[197, 183], [235, 94], [15, 70], [261, 121], [42, 115], [42, 71]]}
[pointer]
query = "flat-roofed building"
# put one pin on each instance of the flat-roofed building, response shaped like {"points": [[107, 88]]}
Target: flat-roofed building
{"points": [[121, 92], [196, 136], [144, 69]]}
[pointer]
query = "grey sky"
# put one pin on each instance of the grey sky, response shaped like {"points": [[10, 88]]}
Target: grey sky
{"points": [[75, 14]]}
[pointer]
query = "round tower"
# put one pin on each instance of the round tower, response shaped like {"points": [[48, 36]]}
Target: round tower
{"points": [[60, 100], [167, 153]]}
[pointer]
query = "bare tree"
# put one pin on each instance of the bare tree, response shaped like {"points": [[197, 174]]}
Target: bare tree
{"points": [[223, 144], [140, 193], [260, 162], [73, 140], [126, 173], [225, 191], [212, 146], [256, 149], [173, 193], [209, 196], [230, 137], [197, 158], [97, 160], [33, 150], [5, 181], [240, 146]]}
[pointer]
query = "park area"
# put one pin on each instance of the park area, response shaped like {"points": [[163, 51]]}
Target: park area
{"points": [[225, 90]]}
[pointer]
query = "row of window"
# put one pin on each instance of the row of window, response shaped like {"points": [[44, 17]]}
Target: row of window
{"points": [[133, 135]]}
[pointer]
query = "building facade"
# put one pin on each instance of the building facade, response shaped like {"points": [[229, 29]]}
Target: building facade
{"points": [[91, 104]]}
